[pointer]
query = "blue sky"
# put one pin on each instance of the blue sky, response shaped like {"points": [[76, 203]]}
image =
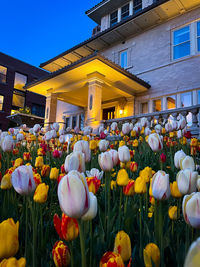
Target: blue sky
{"points": [[37, 30]]}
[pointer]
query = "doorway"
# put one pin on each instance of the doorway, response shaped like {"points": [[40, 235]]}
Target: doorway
{"points": [[109, 113]]}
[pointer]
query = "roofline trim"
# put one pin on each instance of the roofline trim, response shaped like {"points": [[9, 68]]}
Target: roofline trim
{"points": [[96, 6]]}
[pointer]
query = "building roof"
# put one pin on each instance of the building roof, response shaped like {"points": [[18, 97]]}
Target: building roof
{"points": [[95, 55]]}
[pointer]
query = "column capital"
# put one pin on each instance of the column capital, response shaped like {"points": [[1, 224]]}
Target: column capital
{"points": [[96, 78]]}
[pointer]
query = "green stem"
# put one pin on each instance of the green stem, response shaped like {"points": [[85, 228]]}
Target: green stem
{"points": [[82, 243], [187, 238], [141, 241], [120, 207], [26, 229], [91, 242], [72, 253], [161, 233], [107, 177], [41, 226], [32, 208], [125, 205]]}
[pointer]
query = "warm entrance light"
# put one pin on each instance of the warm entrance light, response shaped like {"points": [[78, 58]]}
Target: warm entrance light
{"points": [[121, 111]]}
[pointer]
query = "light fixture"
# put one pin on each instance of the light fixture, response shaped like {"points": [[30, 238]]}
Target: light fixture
{"points": [[121, 111]]}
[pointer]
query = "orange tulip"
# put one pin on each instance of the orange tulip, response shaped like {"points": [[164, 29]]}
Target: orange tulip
{"points": [[45, 171], [93, 184], [61, 254], [111, 259], [129, 189]]}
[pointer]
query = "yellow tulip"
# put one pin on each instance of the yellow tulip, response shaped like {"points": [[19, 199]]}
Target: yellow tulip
{"points": [[39, 162], [18, 162], [174, 190], [93, 144], [140, 185], [41, 192], [6, 182], [9, 243], [135, 143], [172, 212], [146, 173], [13, 262], [171, 134], [146, 138], [122, 177], [54, 173], [113, 184], [121, 143], [151, 253], [123, 245], [86, 138], [163, 131], [133, 133]]}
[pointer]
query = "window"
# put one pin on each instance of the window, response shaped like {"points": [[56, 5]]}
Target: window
{"points": [[144, 107], [109, 113], [198, 36], [124, 59], [186, 99], [3, 72], [137, 6], [199, 97], [156, 105], [171, 102], [18, 99], [113, 18], [181, 42], [125, 12], [38, 110], [20, 81], [1, 102], [67, 122], [74, 122]]}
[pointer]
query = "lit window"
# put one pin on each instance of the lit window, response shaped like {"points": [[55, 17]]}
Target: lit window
{"points": [[186, 99], [125, 12], [181, 42], [198, 35], [113, 18], [1, 102], [18, 99], [3, 72], [20, 81], [124, 59], [137, 6], [144, 107], [171, 102], [156, 105]]}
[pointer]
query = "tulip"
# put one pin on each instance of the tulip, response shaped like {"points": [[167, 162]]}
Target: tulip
{"points": [[155, 142], [93, 184], [53, 133], [83, 146], [48, 136], [140, 185], [181, 124], [163, 157], [113, 126], [115, 156], [92, 211], [54, 173], [23, 181], [123, 245], [62, 139], [111, 259], [13, 262], [147, 173], [191, 209], [57, 154], [126, 128], [103, 145], [124, 154], [73, 195], [151, 254], [36, 128], [39, 162], [93, 144], [75, 161], [187, 163], [186, 181], [160, 185], [147, 131], [105, 161], [27, 156], [129, 189], [6, 182], [133, 166], [61, 254], [7, 143], [45, 170], [66, 227], [41, 192], [95, 173], [18, 162], [122, 177], [174, 190], [193, 255], [55, 126], [37, 179], [172, 212], [168, 127], [9, 243], [158, 128], [178, 157]]}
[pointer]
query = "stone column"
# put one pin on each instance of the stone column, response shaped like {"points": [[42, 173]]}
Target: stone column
{"points": [[50, 111], [94, 110]]}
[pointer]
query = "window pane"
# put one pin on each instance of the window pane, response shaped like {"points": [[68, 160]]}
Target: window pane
{"points": [[123, 59], [73, 122], [186, 99], [182, 35], [3, 72], [157, 105], [113, 18], [20, 81], [38, 110], [171, 102], [18, 99], [1, 102], [199, 97], [198, 43], [125, 11], [198, 28], [182, 50], [145, 107], [137, 5]]}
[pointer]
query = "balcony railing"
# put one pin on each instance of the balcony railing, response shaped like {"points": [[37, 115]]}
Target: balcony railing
{"points": [[163, 116]]}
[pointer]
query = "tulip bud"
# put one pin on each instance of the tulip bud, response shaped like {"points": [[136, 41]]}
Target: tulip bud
{"points": [[163, 157], [92, 211], [39, 162], [151, 254], [178, 156], [103, 145], [174, 190], [105, 161], [126, 128], [172, 212], [83, 146], [133, 166], [191, 210], [187, 163], [124, 154], [140, 185], [160, 185], [129, 189], [122, 177], [123, 245], [114, 156], [155, 142], [75, 161], [23, 181], [61, 254], [113, 126], [13, 262], [7, 143], [95, 173], [54, 173]]}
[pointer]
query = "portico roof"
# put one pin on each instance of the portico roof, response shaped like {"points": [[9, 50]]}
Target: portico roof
{"points": [[71, 83]]}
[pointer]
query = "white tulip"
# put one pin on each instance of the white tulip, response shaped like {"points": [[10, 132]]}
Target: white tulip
{"points": [[187, 163], [160, 185], [124, 154], [193, 255], [187, 181], [103, 145], [178, 156], [92, 211]]}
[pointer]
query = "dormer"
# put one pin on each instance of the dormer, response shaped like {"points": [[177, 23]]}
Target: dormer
{"points": [[110, 12]]}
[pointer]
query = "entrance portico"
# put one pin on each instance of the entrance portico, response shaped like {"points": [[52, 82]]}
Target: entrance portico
{"points": [[89, 85]]}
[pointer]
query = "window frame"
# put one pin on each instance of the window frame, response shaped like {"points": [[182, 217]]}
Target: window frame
{"points": [[20, 93], [120, 58], [111, 25], [197, 36], [175, 101], [5, 74], [142, 103], [22, 89], [135, 6], [161, 104], [126, 5], [1, 109], [191, 94]]}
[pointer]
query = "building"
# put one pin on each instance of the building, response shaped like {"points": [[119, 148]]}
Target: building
{"points": [[14, 75], [143, 57]]}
